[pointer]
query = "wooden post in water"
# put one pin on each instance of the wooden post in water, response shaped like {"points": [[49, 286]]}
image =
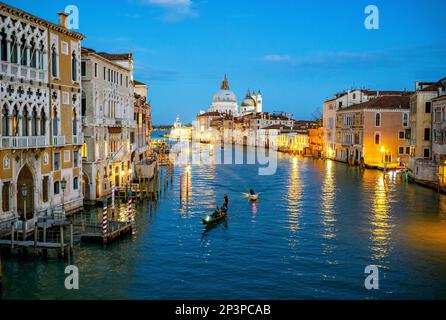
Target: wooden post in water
{"points": [[181, 187], [44, 230], [62, 245], [71, 238], [1, 272], [35, 236], [12, 235]]}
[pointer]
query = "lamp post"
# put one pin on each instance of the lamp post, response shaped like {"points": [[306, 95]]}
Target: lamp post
{"points": [[24, 194], [63, 185]]}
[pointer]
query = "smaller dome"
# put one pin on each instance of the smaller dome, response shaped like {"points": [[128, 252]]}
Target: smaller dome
{"points": [[248, 102]]}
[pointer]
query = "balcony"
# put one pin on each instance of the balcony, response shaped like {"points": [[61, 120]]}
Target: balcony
{"points": [[58, 140], [25, 72], [24, 142], [78, 140]]}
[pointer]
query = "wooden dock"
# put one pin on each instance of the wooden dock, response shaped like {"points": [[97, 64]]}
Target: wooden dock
{"points": [[117, 230]]}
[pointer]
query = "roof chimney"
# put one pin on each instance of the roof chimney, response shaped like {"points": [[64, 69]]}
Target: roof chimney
{"points": [[63, 19]]}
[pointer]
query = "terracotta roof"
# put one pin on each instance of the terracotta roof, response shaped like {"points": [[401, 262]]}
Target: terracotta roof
{"points": [[210, 114], [382, 102], [433, 87], [277, 126], [115, 56], [387, 93], [139, 83]]}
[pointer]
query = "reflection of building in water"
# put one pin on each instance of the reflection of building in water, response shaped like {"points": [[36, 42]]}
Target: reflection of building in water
{"points": [[381, 220], [294, 195], [328, 195]]}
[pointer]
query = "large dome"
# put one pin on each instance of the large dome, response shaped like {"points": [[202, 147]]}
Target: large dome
{"points": [[224, 96]]}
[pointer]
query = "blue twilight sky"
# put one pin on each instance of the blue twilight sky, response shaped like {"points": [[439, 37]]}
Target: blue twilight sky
{"points": [[297, 52]]}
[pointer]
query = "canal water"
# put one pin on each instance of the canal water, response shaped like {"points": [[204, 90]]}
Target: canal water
{"points": [[315, 228]]}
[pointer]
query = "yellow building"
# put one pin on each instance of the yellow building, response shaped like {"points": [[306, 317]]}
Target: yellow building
{"points": [[373, 132], [40, 127]]}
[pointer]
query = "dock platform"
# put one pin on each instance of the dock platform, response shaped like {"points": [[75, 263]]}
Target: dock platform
{"points": [[117, 230]]}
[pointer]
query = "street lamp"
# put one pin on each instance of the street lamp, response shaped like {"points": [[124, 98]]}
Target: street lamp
{"points": [[64, 186]]}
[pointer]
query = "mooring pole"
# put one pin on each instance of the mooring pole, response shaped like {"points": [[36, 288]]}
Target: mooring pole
{"points": [[1, 272], [71, 238], [12, 235], [62, 245], [181, 187]]}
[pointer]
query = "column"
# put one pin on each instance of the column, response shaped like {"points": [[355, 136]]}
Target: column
{"points": [[38, 125], [20, 125]]}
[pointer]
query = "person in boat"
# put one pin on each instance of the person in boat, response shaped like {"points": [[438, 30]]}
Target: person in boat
{"points": [[251, 192], [225, 203]]}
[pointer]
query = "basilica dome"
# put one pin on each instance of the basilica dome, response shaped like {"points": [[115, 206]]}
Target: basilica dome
{"points": [[224, 96], [248, 102]]}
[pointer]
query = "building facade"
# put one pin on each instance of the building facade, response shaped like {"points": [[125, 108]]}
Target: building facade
{"points": [[107, 120], [40, 91], [373, 133]]}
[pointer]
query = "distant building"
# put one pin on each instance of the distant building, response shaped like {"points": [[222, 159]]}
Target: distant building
{"points": [[329, 125], [252, 103], [224, 100], [439, 138]]}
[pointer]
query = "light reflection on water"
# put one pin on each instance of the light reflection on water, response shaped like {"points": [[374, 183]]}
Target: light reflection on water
{"points": [[316, 226]]}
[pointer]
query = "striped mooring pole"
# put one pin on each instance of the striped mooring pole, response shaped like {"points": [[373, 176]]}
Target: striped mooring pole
{"points": [[105, 221], [130, 205]]}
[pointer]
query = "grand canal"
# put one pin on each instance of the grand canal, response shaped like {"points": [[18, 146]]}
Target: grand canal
{"points": [[317, 225]]}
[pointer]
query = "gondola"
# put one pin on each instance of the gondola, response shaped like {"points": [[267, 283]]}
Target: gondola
{"points": [[220, 216]]}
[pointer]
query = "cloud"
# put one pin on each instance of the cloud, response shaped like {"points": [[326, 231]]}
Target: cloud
{"points": [[320, 58], [151, 74], [174, 10], [276, 58]]}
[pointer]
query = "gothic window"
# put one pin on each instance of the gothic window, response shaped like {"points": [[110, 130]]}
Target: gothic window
{"points": [[14, 50], [41, 56], [33, 63], [53, 61], [74, 66], [55, 124], [15, 118], [5, 121], [3, 46], [34, 123], [42, 123], [25, 131], [23, 55], [74, 124]]}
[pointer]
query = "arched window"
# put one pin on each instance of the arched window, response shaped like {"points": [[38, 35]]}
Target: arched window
{"points": [[33, 55], [34, 123], [55, 124], [74, 124], [3, 46], [41, 55], [83, 104], [74, 66], [23, 55], [25, 120], [42, 123], [15, 117], [5, 121], [14, 49], [378, 120], [54, 61], [377, 138]]}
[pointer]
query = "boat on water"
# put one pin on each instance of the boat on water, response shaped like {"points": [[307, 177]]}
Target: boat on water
{"points": [[215, 217], [253, 197]]}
